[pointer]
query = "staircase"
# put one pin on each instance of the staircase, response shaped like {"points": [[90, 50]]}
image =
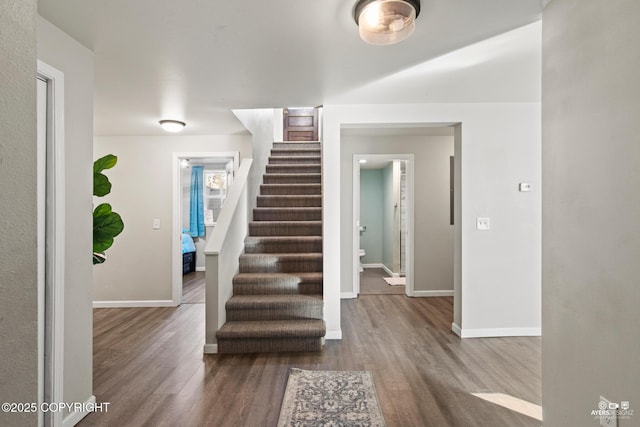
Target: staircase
{"points": [[277, 294]]}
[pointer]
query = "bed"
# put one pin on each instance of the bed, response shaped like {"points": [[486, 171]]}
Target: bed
{"points": [[188, 253]]}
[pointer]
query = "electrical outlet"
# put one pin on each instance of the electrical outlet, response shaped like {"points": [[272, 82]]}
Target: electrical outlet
{"points": [[610, 420], [483, 223]]}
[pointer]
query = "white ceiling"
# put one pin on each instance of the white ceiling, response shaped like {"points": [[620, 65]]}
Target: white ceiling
{"points": [[195, 60]]}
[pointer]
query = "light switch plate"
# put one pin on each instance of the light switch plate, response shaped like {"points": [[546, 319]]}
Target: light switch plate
{"points": [[156, 224], [524, 187]]}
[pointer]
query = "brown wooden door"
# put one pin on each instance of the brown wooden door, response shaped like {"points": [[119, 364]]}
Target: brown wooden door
{"points": [[300, 124]]}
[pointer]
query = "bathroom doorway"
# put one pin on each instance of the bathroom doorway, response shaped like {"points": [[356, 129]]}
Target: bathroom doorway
{"points": [[383, 223]]}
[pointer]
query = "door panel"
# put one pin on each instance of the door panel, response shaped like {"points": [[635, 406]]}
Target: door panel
{"points": [[300, 124]]}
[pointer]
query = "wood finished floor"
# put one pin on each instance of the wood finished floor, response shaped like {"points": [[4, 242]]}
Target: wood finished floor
{"points": [[372, 283], [193, 288], [148, 363]]}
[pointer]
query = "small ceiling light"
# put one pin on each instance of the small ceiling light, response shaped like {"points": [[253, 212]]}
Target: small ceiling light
{"points": [[172, 125], [383, 22], [363, 161]]}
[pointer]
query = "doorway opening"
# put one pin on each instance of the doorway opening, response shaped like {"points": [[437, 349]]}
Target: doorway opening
{"points": [[383, 224], [201, 181]]}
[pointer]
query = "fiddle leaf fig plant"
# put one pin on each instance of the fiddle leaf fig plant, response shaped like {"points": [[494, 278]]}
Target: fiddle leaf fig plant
{"points": [[106, 223]]}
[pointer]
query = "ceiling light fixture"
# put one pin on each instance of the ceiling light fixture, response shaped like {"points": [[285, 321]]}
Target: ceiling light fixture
{"points": [[384, 22], [172, 125]]}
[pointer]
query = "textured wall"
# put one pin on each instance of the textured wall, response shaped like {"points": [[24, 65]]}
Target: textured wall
{"points": [[591, 209], [18, 280]]}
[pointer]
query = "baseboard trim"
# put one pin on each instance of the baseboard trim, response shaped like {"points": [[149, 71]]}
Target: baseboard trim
{"points": [[496, 332], [134, 304], [200, 268], [210, 349], [386, 269], [382, 266], [76, 416], [429, 294], [348, 295], [456, 329], [372, 265], [333, 335]]}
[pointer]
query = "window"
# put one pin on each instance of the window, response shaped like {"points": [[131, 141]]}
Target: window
{"points": [[214, 194]]}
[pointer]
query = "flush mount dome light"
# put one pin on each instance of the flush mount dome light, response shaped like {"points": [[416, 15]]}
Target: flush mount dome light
{"points": [[172, 125], [384, 22]]}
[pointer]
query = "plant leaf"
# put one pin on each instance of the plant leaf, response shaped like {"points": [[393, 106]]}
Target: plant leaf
{"points": [[106, 225], [106, 162], [101, 184]]}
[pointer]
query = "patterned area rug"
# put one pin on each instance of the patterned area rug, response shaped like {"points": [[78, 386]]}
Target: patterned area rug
{"points": [[330, 398]]}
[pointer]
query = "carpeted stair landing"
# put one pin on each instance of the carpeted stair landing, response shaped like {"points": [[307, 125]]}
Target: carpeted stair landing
{"points": [[277, 295]]}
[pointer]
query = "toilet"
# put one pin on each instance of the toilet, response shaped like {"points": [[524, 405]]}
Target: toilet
{"points": [[362, 253]]}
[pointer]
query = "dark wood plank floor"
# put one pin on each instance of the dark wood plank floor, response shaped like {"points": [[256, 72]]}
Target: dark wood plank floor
{"points": [[148, 363], [372, 283], [193, 286]]}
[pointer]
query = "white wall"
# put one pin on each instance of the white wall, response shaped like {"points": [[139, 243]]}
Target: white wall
{"points": [[18, 256], [76, 62], [260, 122], [500, 269], [591, 210], [138, 266]]}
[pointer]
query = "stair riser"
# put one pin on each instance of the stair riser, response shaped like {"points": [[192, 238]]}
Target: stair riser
{"points": [[284, 202], [291, 229], [272, 265], [293, 178], [295, 145], [295, 152], [291, 214], [290, 189], [288, 160], [302, 169], [270, 345], [277, 288], [282, 247], [290, 313]]}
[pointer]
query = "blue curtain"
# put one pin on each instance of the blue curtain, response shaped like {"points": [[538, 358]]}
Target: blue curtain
{"points": [[196, 208]]}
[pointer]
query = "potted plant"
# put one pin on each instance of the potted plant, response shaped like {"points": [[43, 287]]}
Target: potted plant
{"points": [[106, 223]]}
